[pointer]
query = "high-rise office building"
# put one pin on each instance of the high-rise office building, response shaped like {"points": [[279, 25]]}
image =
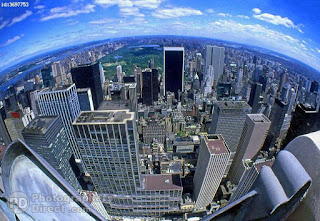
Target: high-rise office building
{"points": [[14, 127], [133, 104], [291, 100], [215, 56], [47, 77], [85, 99], [252, 139], [5, 137], [47, 136], [173, 69], [150, 88], [283, 80], [255, 100], [120, 74], [199, 63], [90, 76], [277, 116], [212, 163], [228, 120], [62, 102], [305, 119], [108, 145], [250, 172]]}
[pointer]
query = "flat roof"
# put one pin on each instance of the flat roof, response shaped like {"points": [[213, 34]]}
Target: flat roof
{"points": [[103, 117], [53, 89], [232, 104], [39, 125], [173, 48], [83, 89], [114, 105], [259, 165], [162, 182], [259, 118], [216, 144]]}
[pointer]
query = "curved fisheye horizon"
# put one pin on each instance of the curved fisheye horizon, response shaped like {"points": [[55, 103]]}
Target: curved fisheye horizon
{"points": [[287, 27]]}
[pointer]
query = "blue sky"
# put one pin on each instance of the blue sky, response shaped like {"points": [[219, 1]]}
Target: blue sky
{"points": [[289, 27]]}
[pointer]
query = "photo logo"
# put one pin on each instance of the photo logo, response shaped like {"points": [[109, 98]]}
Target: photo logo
{"points": [[18, 202]]}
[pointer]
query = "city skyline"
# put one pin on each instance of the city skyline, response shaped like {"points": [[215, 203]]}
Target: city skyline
{"points": [[289, 28]]}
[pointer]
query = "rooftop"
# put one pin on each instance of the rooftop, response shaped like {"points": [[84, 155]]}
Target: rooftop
{"points": [[39, 125], [58, 88], [259, 165], [216, 144], [173, 48], [162, 182], [104, 117], [79, 90], [259, 118], [232, 104], [114, 105]]}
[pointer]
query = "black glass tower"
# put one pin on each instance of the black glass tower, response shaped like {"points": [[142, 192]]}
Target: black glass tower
{"points": [[89, 76], [150, 88], [47, 77], [173, 69]]}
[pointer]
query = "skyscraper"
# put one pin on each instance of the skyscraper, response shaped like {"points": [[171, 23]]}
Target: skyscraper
{"points": [[47, 136], [47, 77], [90, 76], [108, 145], [250, 172], [228, 120], [254, 100], [85, 99], [283, 80], [213, 159], [215, 56], [173, 59], [150, 88], [305, 119], [291, 100], [62, 102], [277, 116], [252, 139], [3, 129]]}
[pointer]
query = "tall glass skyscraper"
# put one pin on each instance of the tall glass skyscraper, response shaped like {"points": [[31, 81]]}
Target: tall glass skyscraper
{"points": [[63, 102], [215, 56], [90, 76], [173, 69], [47, 136]]}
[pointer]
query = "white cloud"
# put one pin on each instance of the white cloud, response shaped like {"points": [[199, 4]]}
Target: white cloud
{"points": [[106, 3], [11, 40], [131, 11], [255, 34], [318, 50], [256, 10], [4, 24], [275, 19], [64, 12], [103, 21], [39, 7], [175, 12], [210, 10], [20, 18], [243, 16], [224, 15], [149, 4]]}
